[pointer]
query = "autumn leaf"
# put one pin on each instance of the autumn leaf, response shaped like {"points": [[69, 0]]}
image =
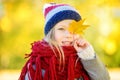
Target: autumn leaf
{"points": [[77, 27]]}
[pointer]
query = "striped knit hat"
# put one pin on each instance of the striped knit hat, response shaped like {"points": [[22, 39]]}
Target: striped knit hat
{"points": [[55, 13]]}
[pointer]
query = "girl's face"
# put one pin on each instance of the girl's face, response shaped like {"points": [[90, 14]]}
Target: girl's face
{"points": [[62, 35]]}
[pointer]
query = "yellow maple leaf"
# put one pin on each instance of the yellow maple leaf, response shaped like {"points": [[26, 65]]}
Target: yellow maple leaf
{"points": [[77, 27]]}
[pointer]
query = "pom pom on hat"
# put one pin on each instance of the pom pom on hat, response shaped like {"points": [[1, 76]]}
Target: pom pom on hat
{"points": [[55, 13]]}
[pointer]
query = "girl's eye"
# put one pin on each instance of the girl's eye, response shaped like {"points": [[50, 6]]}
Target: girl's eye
{"points": [[61, 29]]}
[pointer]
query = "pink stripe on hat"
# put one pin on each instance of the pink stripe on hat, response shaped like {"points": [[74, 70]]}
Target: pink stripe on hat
{"points": [[48, 9]]}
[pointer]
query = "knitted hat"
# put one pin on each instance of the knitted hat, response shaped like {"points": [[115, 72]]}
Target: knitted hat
{"points": [[55, 13]]}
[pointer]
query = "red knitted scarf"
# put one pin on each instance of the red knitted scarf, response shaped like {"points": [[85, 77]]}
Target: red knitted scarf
{"points": [[43, 57]]}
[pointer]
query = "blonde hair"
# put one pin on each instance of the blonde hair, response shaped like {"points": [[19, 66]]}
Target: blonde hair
{"points": [[50, 38]]}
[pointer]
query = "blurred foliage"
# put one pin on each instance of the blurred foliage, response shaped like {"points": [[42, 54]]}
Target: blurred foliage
{"points": [[22, 22]]}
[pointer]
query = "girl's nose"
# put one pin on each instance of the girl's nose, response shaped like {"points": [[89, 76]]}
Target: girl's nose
{"points": [[68, 34]]}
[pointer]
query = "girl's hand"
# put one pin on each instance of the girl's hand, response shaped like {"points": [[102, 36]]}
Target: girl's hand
{"points": [[83, 48], [80, 44]]}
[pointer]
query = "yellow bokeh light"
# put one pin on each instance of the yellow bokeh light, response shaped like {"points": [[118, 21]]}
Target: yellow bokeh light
{"points": [[110, 47], [23, 13], [105, 20], [6, 24]]}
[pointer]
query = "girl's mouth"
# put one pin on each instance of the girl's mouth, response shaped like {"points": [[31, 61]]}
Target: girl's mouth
{"points": [[66, 43]]}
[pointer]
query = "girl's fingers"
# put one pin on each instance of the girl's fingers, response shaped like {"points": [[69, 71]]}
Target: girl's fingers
{"points": [[80, 44], [78, 49]]}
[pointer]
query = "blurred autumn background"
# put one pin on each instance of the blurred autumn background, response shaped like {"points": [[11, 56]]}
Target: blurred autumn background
{"points": [[22, 22]]}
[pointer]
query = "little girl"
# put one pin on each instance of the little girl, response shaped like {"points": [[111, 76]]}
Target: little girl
{"points": [[62, 55]]}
